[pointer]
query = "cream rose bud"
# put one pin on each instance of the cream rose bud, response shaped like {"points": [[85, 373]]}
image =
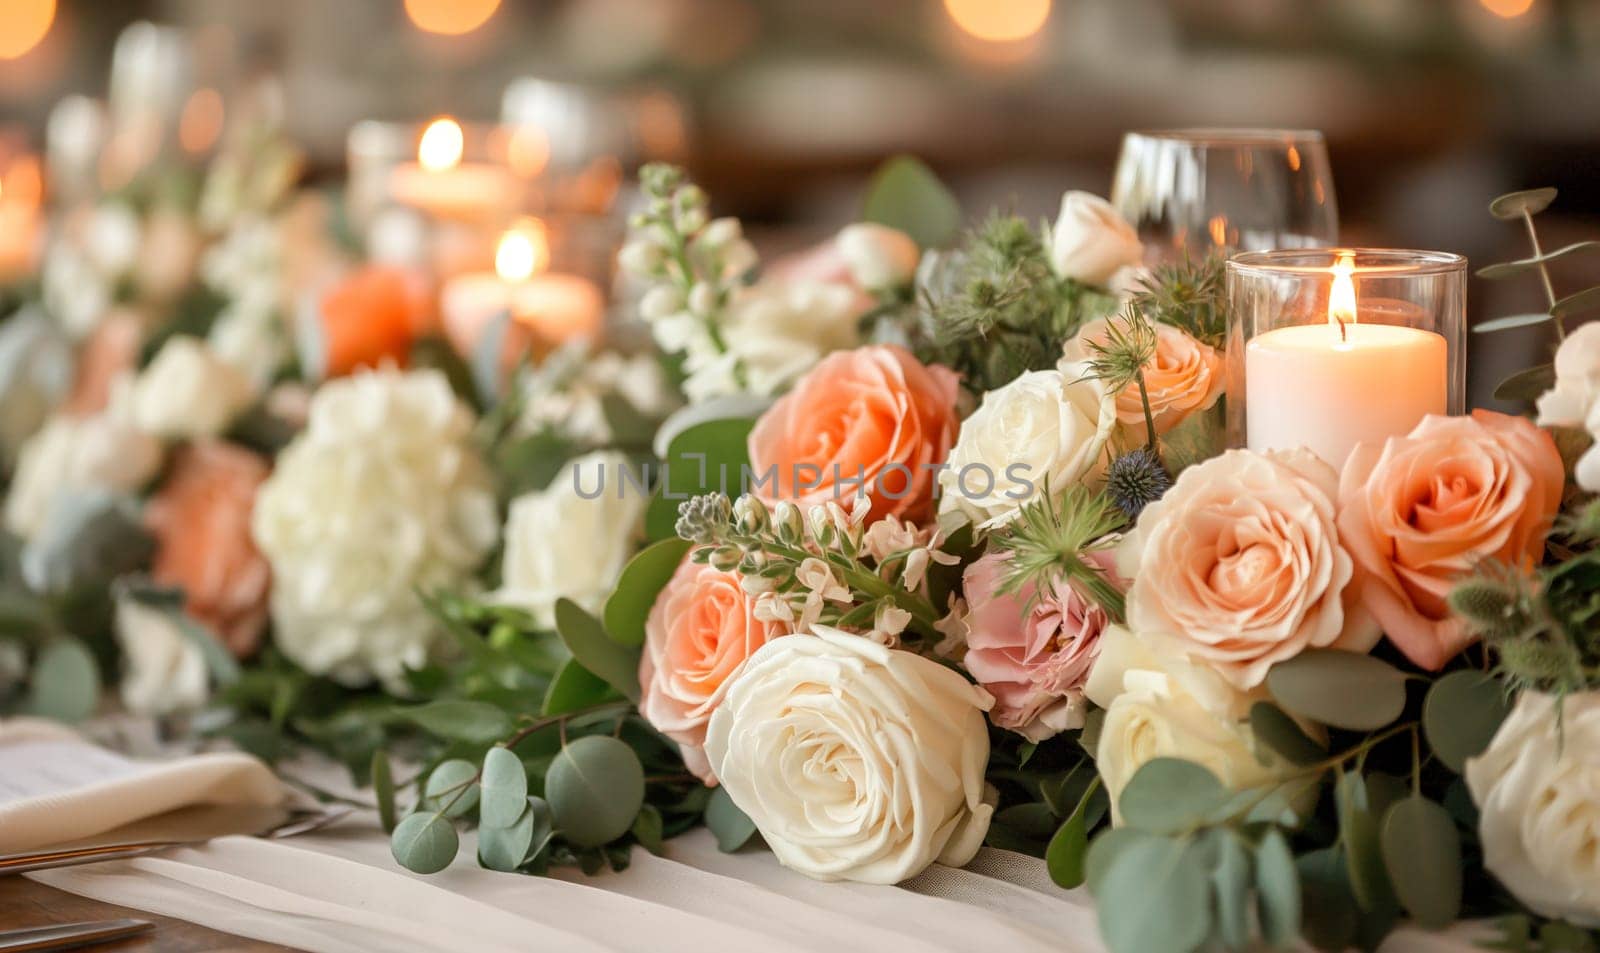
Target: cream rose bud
{"points": [[77, 453], [855, 761], [1538, 811], [1091, 240], [1574, 401], [1241, 565], [163, 670], [1045, 426], [188, 392], [878, 256], [1183, 377], [571, 539]]}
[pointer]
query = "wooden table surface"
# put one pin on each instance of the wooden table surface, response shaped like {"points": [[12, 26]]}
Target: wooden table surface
{"points": [[24, 903]]}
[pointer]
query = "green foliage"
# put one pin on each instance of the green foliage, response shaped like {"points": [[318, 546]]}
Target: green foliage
{"points": [[1189, 295], [1342, 689], [1543, 628], [1283, 736], [505, 789], [452, 788], [731, 826], [424, 843], [1460, 715], [458, 719], [1422, 855], [595, 787], [66, 681], [1521, 933], [905, 194], [586, 638], [708, 457], [642, 579], [1048, 541], [383, 790]]}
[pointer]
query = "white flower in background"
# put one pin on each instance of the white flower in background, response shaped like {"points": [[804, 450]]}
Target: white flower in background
{"points": [[1159, 706], [558, 544], [253, 341], [105, 451], [1574, 401], [188, 392], [855, 761], [1045, 426], [774, 332], [1537, 788], [878, 256], [1091, 240], [111, 238], [168, 250], [383, 494], [163, 670], [75, 293], [568, 392], [246, 264]]}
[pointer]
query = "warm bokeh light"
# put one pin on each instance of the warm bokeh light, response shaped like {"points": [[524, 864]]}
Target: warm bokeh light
{"points": [[523, 252], [201, 121], [442, 144], [528, 151], [23, 23], [23, 183], [999, 21], [1342, 296], [1507, 8], [450, 17]]}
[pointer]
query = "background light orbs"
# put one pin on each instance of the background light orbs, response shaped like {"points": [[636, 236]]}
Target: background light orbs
{"points": [[999, 21], [450, 17], [23, 23]]}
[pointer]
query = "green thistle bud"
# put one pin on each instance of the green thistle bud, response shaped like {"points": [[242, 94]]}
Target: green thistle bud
{"points": [[1135, 480], [1534, 662], [1489, 607]]}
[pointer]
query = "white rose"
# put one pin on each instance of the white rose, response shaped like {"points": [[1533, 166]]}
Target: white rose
{"points": [[1159, 706], [571, 539], [187, 392], [164, 671], [77, 453], [1574, 401], [1045, 426], [1091, 240], [74, 292], [878, 256], [775, 332], [855, 761], [1537, 788], [111, 238], [382, 495]]}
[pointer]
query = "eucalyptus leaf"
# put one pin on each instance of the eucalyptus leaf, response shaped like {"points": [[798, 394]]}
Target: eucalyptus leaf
{"points": [[1280, 733], [1462, 712], [647, 829], [1522, 266], [505, 847], [1277, 890], [88, 537], [458, 720], [383, 789], [1512, 321], [1232, 881], [1359, 839], [504, 789], [905, 194], [1342, 689], [1170, 795], [642, 579], [588, 642], [1329, 915], [1422, 854], [424, 843], [1068, 849], [1106, 846], [1154, 898], [1576, 303], [732, 827], [452, 788], [706, 457], [574, 687], [65, 683], [1527, 384], [595, 786], [1516, 204]]}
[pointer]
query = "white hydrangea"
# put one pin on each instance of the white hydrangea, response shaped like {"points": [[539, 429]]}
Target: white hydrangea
{"points": [[382, 495]]}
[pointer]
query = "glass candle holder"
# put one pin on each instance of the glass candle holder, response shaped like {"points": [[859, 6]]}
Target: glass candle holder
{"points": [[1328, 348], [1190, 192]]}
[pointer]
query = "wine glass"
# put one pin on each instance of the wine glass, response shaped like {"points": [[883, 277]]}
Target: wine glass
{"points": [[1191, 191]]}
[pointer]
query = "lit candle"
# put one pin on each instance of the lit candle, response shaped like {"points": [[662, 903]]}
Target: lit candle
{"points": [[545, 308], [440, 184], [1331, 385], [21, 191]]}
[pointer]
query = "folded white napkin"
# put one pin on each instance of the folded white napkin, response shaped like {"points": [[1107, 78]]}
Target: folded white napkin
{"points": [[55, 786]]}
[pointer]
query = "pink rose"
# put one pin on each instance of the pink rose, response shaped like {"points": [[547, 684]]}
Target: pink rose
{"points": [[1241, 564], [1422, 510], [1032, 650], [698, 634], [873, 420]]}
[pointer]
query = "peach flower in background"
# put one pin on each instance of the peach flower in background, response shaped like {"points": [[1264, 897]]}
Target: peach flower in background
{"points": [[1185, 376], [698, 634], [371, 317], [200, 518], [1241, 564], [109, 351], [1031, 650], [1422, 510], [875, 414]]}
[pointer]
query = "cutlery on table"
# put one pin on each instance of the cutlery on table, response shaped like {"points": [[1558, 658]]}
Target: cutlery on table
{"points": [[65, 936]]}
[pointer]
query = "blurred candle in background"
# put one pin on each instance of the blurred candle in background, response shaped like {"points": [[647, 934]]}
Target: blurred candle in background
{"points": [[440, 183], [21, 197]]}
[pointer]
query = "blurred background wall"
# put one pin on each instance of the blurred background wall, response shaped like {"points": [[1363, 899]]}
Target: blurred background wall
{"points": [[782, 107]]}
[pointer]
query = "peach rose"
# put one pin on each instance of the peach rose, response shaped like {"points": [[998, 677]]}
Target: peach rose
{"points": [[1422, 510], [200, 518], [872, 420], [1185, 376], [111, 350], [1032, 650], [371, 317], [698, 634], [1241, 564]]}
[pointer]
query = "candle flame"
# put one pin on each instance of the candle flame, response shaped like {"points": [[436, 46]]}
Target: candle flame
{"points": [[441, 146], [524, 251], [1342, 296]]}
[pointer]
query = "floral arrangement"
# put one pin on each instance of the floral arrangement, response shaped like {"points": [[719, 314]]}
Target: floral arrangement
{"points": [[918, 542]]}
